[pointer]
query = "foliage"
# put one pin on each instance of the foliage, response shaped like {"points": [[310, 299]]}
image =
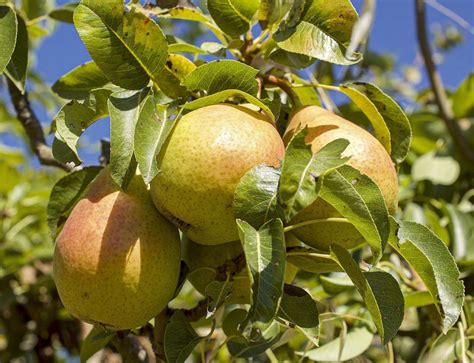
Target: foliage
{"points": [[407, 291]]}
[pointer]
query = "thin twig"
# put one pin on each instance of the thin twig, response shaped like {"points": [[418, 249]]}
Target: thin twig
{"points": [[458, 19], [437, 87], [33, 128]]}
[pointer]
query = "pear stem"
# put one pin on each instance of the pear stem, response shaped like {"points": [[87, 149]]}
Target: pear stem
{"points": [[314, 221]]}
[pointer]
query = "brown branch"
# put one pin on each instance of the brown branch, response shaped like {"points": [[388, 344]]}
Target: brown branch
{"points": [[437, 87], [283, 85], [33, 128]]}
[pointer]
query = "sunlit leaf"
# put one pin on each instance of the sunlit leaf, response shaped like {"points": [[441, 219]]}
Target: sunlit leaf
{"points": [[77, 83], [18, 66], [433, 262], [255, 197], [8, 35], [127, 46]]}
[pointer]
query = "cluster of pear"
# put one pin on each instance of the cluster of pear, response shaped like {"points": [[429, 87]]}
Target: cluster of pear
{"points": [[117, 258]]}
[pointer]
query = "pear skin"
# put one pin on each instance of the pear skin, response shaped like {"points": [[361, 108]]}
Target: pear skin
{"points": [[117, 260], [203, 260], [208, 152], [367, 154]]}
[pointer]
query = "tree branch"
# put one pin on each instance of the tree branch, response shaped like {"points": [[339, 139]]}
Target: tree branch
{"points": [[283, 85], [33, 128], [445, 110]]}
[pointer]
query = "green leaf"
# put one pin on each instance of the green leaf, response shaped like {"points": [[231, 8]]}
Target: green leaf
{"points": [[302, 171], [336, 284], [73, 119], [428, 166], [8, 34], [64, 13], [221, 75], [252, 349], [356, 197], [463, 99], [16, 69], [255, 197], [418, 299], [290, 59], [307, 94], [272, 11], [217, 292], [223, 96], [124, 108], [180, 338], [447, 348], [66, 193], [435, 265], [232, 321], [97, 339], [311, 260], [233, 16], [78, 83], [152, 129], [380, 292], [356, 342], [127, 46], [298, 307], [181, 47], [390, 123], [176, 69], [322, 32], [189, 14], [461, 229], [36, 8], [265, 253], [381, 131]]}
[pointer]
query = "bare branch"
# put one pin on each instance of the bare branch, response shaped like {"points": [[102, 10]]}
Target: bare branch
{"points": [[445, 110], [33, 128]]}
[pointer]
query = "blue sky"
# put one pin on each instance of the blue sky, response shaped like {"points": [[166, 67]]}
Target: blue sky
{"points": [[393, 32]]}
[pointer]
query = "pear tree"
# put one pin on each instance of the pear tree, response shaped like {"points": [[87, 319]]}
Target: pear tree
{"points": [[236, 212]]}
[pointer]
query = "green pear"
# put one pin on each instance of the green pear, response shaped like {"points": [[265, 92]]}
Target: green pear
{"points": [[208, 152], [202, 262], [367, 154], [117, 260]]}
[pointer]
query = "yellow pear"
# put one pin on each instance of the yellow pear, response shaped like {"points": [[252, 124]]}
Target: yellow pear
{"points": [[367, 154], [208, 152], [203, 260], [117, 260]]}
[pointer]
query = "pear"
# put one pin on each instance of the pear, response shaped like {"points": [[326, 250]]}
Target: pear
{"points": [[202, 262], [208, 152], [117, 260], [367, 154]]}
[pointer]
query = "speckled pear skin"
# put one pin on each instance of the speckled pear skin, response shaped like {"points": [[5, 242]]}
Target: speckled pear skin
{"points": [[208, 152], [367, 154], [117, 260], [198, 257]]}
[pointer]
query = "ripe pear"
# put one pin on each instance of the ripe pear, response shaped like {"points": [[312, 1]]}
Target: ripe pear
{"points": [[208, 152], [117, 260], [203, 260], [367, 154]]}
